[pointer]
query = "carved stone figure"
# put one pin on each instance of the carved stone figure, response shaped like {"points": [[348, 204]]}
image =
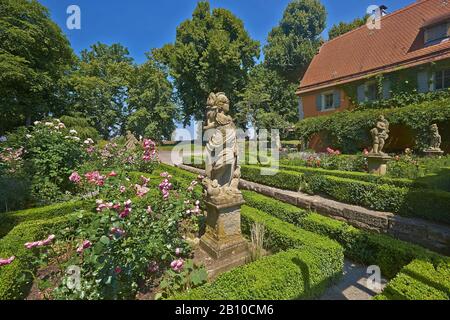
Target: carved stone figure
{"points": [[223, 240], [222, 169], [379, 136], [435, 139], [131, 141]]}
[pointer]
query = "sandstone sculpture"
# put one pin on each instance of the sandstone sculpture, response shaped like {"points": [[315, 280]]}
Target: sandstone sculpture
{"points": [[131, 142], [222, 168], [435, 139], [379, 136], [223, 240]]}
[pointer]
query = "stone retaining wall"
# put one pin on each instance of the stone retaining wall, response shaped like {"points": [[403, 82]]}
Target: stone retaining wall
{"points": [[430, 235]]}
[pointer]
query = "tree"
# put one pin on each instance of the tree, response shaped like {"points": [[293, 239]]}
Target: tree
{"points": [[268, 101], [152, 110], [98, 88], [212, 52], [294, 42], [343, 27], [34, 55]]}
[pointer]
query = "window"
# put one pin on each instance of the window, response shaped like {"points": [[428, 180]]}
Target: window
{"points": [[437, 33], [442, 79], [328, 101], [372, 91]]}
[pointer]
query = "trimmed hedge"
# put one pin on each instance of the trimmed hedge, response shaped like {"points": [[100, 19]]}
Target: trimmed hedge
{"points": [[15, 279], [300, 273], [280, 235], [294, 274], [420, 280], [363, 176], [360, 245], [11, 219], [428, 204]]}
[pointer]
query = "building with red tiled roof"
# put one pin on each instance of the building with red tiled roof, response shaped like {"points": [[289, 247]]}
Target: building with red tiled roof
{"points": [[410, 46]]}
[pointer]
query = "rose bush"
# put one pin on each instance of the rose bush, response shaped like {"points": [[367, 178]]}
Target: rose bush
{"points": [[131, 241]]}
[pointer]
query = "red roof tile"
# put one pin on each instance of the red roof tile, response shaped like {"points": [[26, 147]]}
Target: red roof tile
{"points": [[360, 52]]}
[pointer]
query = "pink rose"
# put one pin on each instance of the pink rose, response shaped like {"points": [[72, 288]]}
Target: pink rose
{"points": [[75, 177], [5, 262]]}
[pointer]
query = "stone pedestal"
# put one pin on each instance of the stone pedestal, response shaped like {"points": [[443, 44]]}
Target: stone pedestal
{"points": [[223, 240], [433, 153], [378, 163]]}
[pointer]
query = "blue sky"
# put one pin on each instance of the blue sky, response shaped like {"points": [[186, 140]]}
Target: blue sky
{"points": [[142, 25]]}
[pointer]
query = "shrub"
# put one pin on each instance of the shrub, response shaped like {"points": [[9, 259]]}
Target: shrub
{"points": [[11, 219], [294, 274], [422, 203], [16, 278], [350, 129], [360, 245], [50, 152], [420, 280]]}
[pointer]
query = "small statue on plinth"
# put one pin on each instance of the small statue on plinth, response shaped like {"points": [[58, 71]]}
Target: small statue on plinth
{"points": [[223, 239], [379, 135], [435, 142], [131, 142], [377, 159]]}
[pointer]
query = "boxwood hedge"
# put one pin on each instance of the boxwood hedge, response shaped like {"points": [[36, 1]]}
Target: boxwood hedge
{"points": [[360, 245], [294, 274], [420, 280]]}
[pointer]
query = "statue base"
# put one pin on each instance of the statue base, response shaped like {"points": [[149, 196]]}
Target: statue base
{"points": [[377, 163], [433, 153], [223, 240]]}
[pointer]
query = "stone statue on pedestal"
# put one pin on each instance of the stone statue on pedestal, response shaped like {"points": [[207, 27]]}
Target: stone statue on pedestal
{"points": [[434, 147], [379, 135], [223, 239], [222, 168], [377, 159], [131, 141]]}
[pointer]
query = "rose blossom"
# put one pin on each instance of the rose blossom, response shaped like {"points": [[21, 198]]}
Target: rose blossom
{"points": [[40, 243], [75, 177], [85, 245], [177, 265], [5, 262]]}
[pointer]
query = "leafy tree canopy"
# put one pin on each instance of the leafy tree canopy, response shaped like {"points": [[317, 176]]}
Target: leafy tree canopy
{"points": [[212, 52], [294, 42], [344, 27], [98, 88], [34, 55], [268, 101], [152, 110]]}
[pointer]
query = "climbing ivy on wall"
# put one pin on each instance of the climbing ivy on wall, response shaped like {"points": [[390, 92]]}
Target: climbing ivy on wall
{"points": [[349, 130], [403, 88]]}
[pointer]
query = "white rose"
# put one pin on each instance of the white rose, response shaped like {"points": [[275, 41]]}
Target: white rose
{"points": [[73, 131]]}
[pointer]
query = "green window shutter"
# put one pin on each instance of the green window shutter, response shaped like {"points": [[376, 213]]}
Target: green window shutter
{"points": [[361, 93], [423, 82], [319, 102], [337, 98], [386, 89]]}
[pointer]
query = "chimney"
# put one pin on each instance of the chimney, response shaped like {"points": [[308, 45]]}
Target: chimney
{"points": [[383, 10]]}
